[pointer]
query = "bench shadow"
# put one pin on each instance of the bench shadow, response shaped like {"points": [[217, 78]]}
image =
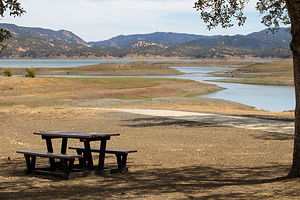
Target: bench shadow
{"points": [[188, 182]]}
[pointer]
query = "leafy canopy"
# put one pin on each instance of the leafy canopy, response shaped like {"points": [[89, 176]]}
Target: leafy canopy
{"points": [[226, 13], [13, 7]]}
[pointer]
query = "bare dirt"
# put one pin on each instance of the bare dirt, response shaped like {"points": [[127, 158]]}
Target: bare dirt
{"points": [[176, 159]]}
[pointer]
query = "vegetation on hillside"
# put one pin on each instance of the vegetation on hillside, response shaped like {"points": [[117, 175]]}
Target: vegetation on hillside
{"points": [[44, 43]]}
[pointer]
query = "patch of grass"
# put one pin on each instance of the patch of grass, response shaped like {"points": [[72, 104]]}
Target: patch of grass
{"points": [[269, 73], [125, 98], [30, 72], [8, 72], [182, 93], [119, 83], [260, 81], [7, 104]]}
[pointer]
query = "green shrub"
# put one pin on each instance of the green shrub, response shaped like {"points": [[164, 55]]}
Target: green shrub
{"points": [[30, 72], [8, 72]]}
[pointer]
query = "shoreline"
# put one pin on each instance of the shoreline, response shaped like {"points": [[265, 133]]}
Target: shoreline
{"points": [[144, 58]]}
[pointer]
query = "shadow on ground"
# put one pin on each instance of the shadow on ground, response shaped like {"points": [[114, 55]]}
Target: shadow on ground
{"points": [[163, 122], [273, 136], [189, 182]]}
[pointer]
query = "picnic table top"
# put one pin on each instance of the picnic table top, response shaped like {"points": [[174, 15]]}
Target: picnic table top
{"points": [[72, 134]]}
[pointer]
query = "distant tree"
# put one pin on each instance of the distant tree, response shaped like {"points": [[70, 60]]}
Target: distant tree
{"points": [[8, 72], [13, 7], [226, 13], [30, 72]]}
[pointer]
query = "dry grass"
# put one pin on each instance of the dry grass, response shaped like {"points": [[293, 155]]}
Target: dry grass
{"points": [[106, 69], [70, 91], [176, 159], [271, 73]]}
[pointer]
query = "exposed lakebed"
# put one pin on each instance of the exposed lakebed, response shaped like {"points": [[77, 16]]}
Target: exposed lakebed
{"points": [[265, 97]]}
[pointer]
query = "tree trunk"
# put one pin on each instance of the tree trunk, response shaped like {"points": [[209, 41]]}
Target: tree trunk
{"points": [[294, 13]]}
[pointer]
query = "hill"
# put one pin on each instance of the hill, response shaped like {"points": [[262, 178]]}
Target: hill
{"points": [[258, 40], [29, 42], [157, 37], [62, 36]]}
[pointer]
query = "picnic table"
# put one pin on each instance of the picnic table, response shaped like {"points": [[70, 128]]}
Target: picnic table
{"points": [[84, 137]]}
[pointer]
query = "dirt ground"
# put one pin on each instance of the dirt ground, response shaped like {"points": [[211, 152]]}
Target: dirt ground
{"points": [[175, 159]]}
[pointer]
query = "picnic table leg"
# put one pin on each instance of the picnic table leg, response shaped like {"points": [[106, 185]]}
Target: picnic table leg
{"points": [[102, 155], [88, 154], [50, 149], [124, 161], [30, 163], [64, 145], [63, 149], [67, 167]]}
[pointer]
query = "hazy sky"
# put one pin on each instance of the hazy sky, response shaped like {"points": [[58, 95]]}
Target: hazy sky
{"points": [[95, 20]]}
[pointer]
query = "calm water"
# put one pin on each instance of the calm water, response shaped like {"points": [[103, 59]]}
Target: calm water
{"points": [[53, 63], [265, 97], [271, 98]]}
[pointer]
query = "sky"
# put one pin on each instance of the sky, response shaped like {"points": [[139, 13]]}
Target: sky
{"points": [[96, 20]]}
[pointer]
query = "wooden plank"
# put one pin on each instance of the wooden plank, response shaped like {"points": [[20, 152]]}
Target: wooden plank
{"points": [[111, 151], [49, 154], [72, 134], [120, 151]]}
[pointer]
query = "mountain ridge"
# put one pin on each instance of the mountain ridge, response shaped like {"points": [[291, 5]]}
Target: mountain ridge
{"points": [[51, 35], [164, 38], [35, 42]]}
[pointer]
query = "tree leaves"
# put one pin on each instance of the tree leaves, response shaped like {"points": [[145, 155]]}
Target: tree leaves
{"points": [[15, 9], [221, 12], [4, 34], [225, 12], [275, 13]]}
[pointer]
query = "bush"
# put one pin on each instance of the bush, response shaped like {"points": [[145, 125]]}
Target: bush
{"points": [[30, 72], [8, 72]]}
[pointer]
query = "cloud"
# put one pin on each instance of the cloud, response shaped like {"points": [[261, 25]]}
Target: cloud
{"points": [[102, 19]]}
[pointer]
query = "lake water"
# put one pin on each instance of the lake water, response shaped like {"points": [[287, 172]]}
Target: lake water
{"points": [[53, 63], [265, 97], [271, 98]]}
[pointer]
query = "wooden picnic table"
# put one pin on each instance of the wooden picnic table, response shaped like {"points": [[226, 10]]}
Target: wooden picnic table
{"points": [[84, 137]]}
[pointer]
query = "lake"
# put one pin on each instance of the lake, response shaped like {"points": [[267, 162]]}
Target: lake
{"points": [[265, 97], [53, 63]]}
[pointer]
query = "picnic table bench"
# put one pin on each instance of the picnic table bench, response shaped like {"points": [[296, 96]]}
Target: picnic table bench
{"points": [[121, 155], [67, 161], [66, 164]]}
